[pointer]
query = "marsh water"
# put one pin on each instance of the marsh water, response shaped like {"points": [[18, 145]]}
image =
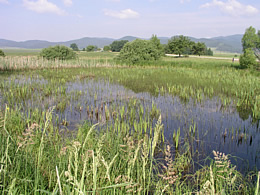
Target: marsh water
{"points": [[206, 125]]}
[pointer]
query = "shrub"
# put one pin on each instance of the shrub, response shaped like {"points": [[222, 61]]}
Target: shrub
{"points": [[2, 54], [139, 51], [58, 52], [107, 48], [91, 48]]}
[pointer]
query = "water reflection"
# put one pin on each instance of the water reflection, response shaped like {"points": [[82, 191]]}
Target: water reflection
{"points": [[206, 125]]}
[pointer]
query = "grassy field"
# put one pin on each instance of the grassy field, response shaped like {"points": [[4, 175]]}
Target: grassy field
{"points": [[104, 155], [21, 52]]}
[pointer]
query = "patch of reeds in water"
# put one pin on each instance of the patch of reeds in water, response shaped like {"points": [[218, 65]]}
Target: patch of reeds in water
{"points": [[36, 159]]}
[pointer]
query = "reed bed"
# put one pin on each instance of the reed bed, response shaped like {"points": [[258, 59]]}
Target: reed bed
{"points": [[36, 159], [11, 63]]}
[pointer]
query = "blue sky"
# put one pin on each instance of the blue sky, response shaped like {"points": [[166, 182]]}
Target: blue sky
{"points": [[62, 20]]}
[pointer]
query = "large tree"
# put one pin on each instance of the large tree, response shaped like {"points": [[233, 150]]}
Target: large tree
{"points": [[251, 48], [250, 39], [199, 49], [257, 49], [179, 44], [74, 46], [248, 59], [116, 46]]}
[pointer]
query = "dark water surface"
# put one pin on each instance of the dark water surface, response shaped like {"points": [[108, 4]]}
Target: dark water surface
{"points": [[206, 125]]}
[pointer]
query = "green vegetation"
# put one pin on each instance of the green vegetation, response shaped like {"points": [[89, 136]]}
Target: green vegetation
{"points": [[74, 47], [179, 44], [118, 143], [250, 39], [248, 59], [91, 48], [251, 47], [36, 159], [2, 54], [107, 48], [58, 52], [183, 45], [116, 46], [139, 51], [21, 52]]}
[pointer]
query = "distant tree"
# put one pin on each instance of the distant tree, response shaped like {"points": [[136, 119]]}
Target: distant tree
{"points": [[91, 48], [116, 46], [58, 52], [248, 59], [166, 48], [199, 49], [179, 44], [2, 54], [209, 52], [157, 43], [139, 51], [188, 50], [107, 48], [84, 49], [74, 47]]}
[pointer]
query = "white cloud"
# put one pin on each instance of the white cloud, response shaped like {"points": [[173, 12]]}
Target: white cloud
{"points": [[4, 1], [184, 1], [67, 2], [123, 14], [232, 7], [43, 6]]}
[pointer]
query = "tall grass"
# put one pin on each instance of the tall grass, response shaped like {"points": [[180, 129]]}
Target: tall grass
{"points": [[36, 159]]}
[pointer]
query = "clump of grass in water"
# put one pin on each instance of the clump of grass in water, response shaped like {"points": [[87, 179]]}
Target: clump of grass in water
{"points": [[223, 177]]}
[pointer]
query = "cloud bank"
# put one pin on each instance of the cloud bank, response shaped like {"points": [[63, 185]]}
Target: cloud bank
{"points": [[43, 6], [123, 14], [232, 7]]}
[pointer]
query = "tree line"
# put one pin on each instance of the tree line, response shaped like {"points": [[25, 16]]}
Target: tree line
{"points": [[180, 45], [140, 50]]}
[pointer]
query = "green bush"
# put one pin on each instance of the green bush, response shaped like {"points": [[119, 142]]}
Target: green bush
{"points": [[248, 59], [139, 51], [107, 48], [2, 54], [58, 52], [91, 48]]}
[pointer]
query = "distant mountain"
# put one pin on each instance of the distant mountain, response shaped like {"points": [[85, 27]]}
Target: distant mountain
{"points": [[230, 43], [226, 43]]}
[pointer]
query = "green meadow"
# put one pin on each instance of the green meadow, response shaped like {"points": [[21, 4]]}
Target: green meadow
{"points": [[93, 125]]}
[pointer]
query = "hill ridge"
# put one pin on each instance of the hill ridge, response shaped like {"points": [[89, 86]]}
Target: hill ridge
{"points": [[231, 43]]}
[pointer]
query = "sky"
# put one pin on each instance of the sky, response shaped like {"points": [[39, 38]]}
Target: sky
{"points": [[64, 20]]}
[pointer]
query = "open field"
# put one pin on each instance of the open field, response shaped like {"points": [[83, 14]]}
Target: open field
{"points": [[21, 52], [94, 126]]}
